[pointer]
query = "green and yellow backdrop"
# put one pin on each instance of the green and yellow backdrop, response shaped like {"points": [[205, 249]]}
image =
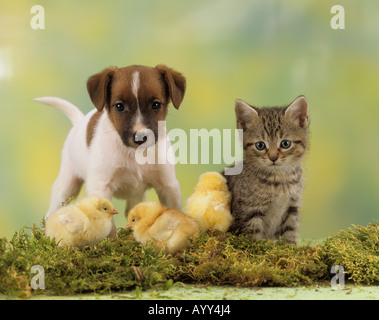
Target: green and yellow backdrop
{"points": [[266, 52]]}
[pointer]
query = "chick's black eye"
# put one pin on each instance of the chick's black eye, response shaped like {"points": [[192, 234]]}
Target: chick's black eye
{"points": [[134, 220], [156, 105], [260, 145], [105, 208], [285, 144], [119, 107]]}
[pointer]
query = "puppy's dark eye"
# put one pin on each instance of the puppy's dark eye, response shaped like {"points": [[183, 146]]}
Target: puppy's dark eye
{"points": [[260, 145], [156, 105], [285, 144], [119, 107]]}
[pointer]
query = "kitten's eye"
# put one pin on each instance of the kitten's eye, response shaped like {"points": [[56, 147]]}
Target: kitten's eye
{"points": [[119, 107], [156, 105], [260, 145], [285, 144]]}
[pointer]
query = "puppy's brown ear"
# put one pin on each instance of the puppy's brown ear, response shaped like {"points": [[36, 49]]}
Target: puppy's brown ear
{"points": [[98, 87], [176, 84]]}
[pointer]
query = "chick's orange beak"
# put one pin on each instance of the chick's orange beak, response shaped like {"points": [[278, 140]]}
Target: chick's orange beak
{"points": [[114, 211], [128, 226]]}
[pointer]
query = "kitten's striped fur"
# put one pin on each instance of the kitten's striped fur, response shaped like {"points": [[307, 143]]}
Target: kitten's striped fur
{"points": [[267, 193]]}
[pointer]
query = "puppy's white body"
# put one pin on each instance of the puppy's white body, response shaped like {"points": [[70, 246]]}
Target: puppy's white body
{"points": [[108, 167], [100, 148]]}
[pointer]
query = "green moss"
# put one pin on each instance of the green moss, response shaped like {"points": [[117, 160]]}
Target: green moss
{"points": [[357, 251], [213, 258], [242, 261]]}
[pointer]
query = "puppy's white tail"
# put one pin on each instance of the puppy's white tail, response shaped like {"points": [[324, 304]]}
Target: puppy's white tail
{"points": [[70, 110]]}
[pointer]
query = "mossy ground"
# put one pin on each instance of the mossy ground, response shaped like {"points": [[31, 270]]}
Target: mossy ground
{"points": [[214, 258]]}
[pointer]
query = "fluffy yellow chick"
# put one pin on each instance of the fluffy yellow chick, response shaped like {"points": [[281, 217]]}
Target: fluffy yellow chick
{"points": [[168, 229], [209, 205], [82, 224]]}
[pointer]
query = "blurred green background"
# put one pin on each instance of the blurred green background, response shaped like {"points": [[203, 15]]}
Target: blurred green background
{"points": [[266, 52]]}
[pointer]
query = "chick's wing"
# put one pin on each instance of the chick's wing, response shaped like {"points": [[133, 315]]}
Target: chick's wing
{"points": [[75, 220], [163, 227]]}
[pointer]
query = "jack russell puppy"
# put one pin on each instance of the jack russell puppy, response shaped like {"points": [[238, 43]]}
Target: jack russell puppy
{"points": [[101, 147]]}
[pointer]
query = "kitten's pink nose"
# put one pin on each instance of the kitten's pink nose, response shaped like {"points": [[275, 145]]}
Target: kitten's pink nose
{"points": [[273, 157]]}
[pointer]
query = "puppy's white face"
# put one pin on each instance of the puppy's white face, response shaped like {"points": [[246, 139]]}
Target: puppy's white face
{"points": [[136, 98]]}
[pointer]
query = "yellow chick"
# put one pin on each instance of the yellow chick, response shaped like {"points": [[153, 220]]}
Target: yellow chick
{"points": [[209, 205], [82, 224], [168, 229]]}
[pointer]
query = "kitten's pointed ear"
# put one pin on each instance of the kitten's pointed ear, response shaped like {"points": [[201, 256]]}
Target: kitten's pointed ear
{"points": [[244, 113], [297, 112]]}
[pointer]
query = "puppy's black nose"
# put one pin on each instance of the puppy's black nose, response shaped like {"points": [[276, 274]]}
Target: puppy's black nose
{"points": [[139, 137]]}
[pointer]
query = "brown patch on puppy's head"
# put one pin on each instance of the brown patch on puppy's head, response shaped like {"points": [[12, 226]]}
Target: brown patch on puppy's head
{"points": [[136, 98]]}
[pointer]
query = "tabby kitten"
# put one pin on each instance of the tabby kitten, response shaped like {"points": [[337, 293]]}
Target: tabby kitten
{"points": [[267, 193]]}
